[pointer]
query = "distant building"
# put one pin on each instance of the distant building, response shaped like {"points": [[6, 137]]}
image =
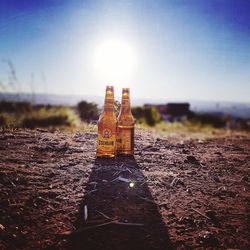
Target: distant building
{"points": [[177, 109]]}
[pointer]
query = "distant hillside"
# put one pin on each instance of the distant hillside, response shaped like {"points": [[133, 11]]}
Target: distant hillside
{"points": [[235, 109]]}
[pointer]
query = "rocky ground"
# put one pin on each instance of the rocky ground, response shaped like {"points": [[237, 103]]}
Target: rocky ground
{"points": [[187, 193]]}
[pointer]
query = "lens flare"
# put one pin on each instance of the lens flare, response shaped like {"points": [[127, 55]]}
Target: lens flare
{"points": [[131, 184]]}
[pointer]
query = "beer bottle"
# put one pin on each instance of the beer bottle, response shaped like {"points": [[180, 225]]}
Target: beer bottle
{"points": [[106, 141], [125, 126]]}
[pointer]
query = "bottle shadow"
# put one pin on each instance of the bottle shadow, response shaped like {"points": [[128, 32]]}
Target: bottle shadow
{"points": [[114, 214]]}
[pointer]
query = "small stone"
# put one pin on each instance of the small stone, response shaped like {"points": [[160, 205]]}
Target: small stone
{"points": [[208, 239], [212, 215], [186, 220], [191, 159], [180, 242], [244, 178], [181, 183], [218, 153], [1, 227], [185, 151], [171, 215], [217, 179], [164, 205]]}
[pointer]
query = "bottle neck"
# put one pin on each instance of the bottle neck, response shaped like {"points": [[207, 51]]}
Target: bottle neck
{"points": [[109, 102], [125, 107]]}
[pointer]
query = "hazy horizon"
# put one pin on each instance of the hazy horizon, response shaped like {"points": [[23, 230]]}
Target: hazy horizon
{"points": [[118, 98], [173, 50]]}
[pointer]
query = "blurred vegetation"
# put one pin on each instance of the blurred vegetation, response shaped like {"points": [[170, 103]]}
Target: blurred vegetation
{"points": [[117, 108], [145, 115], [87, 111], [194, 122], [23, 114], [17, 114], [216, 121], [14, 107], [84, 117]]}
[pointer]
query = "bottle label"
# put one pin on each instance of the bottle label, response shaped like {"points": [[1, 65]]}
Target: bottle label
{"points": [[125, 139], [106, 140]]}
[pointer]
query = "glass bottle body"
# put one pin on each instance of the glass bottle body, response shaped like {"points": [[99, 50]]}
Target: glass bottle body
{"points": [[125, 127], [106, 141]]}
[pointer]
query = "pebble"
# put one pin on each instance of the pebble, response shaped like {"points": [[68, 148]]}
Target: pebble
{"points": [[191, 159], [208, 239], [2, 227], [213, 217]]}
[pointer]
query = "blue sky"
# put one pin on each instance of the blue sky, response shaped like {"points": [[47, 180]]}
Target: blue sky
{"points": [[184, 49]]}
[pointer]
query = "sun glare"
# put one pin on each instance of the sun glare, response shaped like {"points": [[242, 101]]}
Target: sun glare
{"points": [[114, 60]]}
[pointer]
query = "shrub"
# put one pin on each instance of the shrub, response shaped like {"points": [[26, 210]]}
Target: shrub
{"points": [[138, 112], [152, 116], [49, 116], [14, 107], [209, 119], [57, 120], [148, 115], [87, 111]]}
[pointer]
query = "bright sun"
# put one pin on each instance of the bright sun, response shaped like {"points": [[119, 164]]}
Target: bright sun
{"points": [[114, 60]]}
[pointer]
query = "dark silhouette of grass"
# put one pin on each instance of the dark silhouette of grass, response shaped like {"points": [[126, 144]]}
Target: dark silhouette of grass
{"points": [[2, 121], [26, 115], [46, 122], [14, 107]]}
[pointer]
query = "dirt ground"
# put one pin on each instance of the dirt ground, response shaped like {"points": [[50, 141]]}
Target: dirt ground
{"points": [[187, 193]]}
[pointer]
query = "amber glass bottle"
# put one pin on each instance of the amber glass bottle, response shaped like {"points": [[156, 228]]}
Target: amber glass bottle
{"points": [[106, 141], [125, 126]]}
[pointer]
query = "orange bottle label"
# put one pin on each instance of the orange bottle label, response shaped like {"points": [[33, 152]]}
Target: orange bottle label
{"points": [[106, 140]]}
